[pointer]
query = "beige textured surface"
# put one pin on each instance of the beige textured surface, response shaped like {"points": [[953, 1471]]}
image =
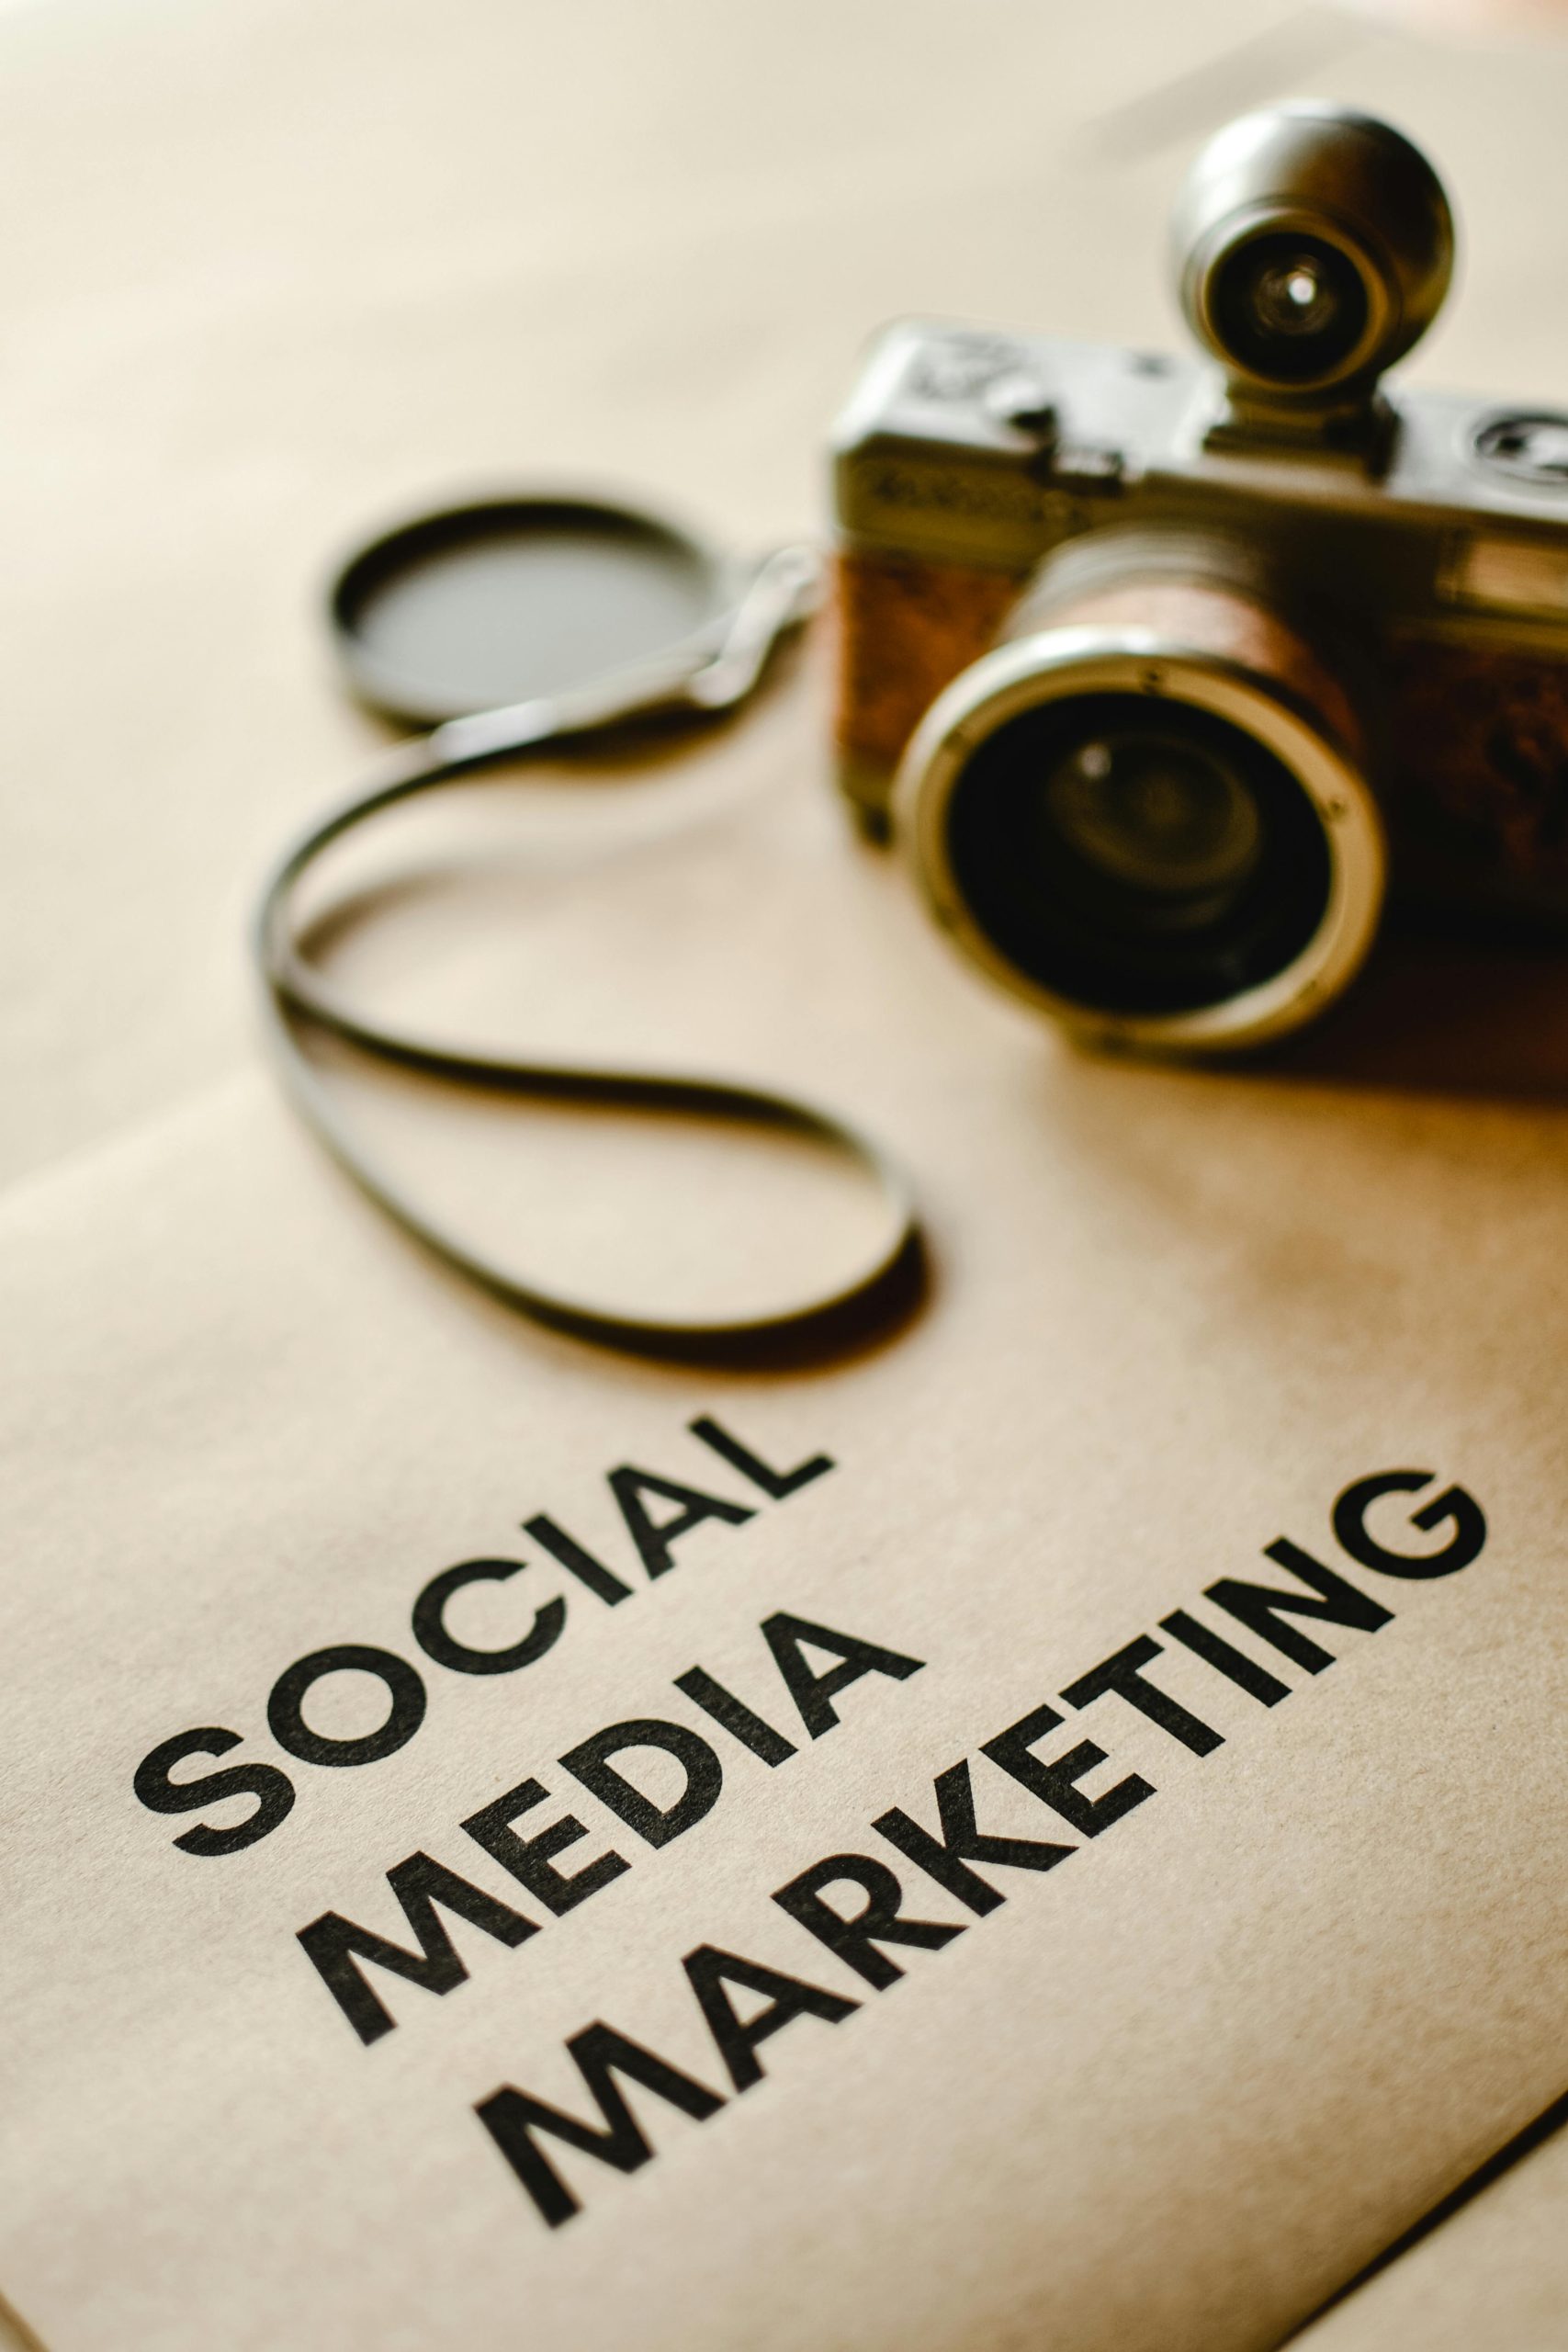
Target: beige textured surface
{"points": [[272, 269]]}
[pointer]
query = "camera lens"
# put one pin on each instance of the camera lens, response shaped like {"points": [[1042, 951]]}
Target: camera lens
{"points": [[1145, 810], [1288, 306], [1162, 819], [1140, 858]]}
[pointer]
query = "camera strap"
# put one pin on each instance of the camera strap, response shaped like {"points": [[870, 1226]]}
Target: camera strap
{"points": [[300, 999]]}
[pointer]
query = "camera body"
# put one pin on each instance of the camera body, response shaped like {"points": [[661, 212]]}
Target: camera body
{"points": [[1371, 595]]}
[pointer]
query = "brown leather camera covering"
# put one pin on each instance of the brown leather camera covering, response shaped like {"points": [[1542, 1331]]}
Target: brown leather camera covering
{"points": [[1473, 774], [1477, 792], [904, 630], [1205, 618]]}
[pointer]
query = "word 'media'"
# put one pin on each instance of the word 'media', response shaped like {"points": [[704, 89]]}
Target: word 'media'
{"points": [[656, 1511], [942, 1841], [340, 1949]]}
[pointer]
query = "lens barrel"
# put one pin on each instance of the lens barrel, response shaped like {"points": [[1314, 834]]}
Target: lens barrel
{"points": [[1145, 811]]}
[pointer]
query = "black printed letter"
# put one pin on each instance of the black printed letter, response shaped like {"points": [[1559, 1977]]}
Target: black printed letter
{"points": [[882, 1921], [430, 1622], [1053, 1783], [589, 1762], [654, 1538], [946, 1859], [285, 1708], [512, 2118], [814, 1693], [1469, 1535], [332, 1942], [529, 1860], [272, 1788], [1124, 1673], [711, 1969], [776, 1483], [1257, 1605]]}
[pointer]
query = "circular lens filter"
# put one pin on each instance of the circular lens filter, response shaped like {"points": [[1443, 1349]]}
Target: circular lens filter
{"points": [[502, 599]]}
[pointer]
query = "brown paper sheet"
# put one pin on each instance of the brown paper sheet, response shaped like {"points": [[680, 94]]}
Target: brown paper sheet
{"points": [[1171, 2093]]}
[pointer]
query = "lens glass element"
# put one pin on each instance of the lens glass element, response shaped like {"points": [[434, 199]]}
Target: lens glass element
{"points": [[1136, 855], [1159, 817], [1290, 308]]}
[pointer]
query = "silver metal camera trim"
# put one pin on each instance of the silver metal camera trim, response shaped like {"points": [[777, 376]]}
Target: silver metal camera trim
{"points": [[1074, 660]]}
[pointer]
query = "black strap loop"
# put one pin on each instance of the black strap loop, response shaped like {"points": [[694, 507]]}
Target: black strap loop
{"points": [[298, 998]]}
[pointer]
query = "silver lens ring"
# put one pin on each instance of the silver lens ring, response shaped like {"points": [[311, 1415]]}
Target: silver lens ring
{"points": [[1062, 663]]}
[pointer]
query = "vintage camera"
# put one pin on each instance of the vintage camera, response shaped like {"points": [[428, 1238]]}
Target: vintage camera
{"points": [[1165, 672]]}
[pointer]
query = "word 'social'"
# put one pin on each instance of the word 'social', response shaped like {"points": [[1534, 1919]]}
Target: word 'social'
{"points": [[636, 1494]]}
